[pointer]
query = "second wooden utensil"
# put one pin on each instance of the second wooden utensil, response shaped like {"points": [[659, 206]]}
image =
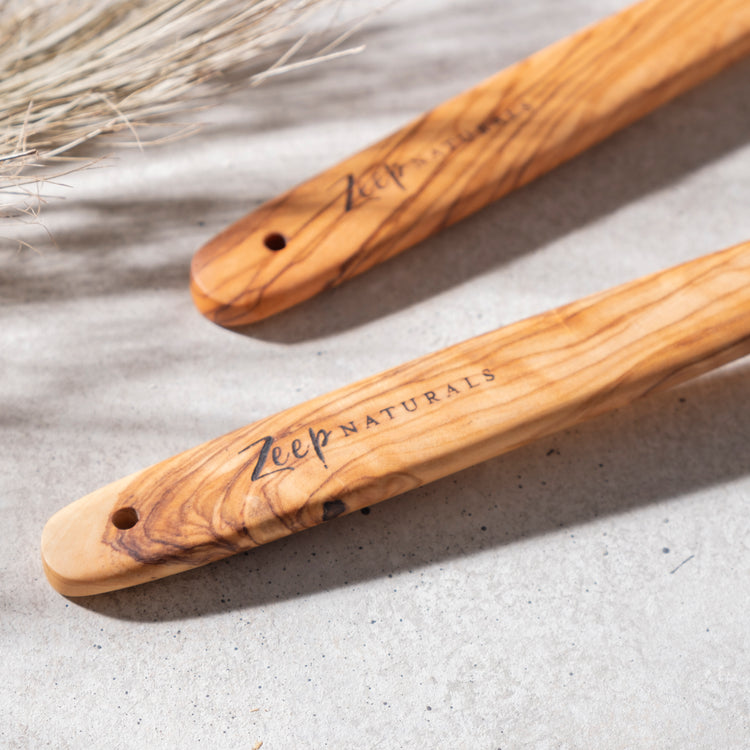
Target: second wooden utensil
{"points": [[464, 154], [405, 427]]}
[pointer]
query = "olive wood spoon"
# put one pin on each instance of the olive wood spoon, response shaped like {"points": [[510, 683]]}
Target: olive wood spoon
{"points": [[405, 427], [464, 154]]}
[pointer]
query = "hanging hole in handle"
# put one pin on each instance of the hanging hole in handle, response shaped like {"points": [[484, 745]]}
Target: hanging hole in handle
{"points": [[125, 518], [275, 241]]}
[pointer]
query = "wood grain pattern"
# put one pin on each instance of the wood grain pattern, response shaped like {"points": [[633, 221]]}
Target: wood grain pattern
{"points": [[405, 427], [464, 154]]}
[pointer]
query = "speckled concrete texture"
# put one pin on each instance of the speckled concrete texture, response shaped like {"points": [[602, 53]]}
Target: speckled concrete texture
{"points": [[588, 591]]}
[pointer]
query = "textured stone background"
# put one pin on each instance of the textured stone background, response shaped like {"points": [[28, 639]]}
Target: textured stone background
{"points": [[590, 590]]}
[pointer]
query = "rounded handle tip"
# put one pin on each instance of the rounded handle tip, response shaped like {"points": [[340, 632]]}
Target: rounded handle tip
{"points": [[79, 552]]}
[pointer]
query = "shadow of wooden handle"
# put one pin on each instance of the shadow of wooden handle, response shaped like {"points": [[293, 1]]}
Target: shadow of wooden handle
{"points": [[403, 428], [464, 154]]}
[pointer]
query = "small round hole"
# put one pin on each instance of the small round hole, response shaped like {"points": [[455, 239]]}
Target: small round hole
{"points": [[125, 518], [275, 241]]}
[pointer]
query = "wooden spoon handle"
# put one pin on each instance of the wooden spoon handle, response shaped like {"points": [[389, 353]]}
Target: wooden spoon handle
{"points": [[464, 154], [405, 427]]}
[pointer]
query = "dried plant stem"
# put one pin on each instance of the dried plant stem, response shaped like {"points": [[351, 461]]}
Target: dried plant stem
{"points": [[73, 71]]}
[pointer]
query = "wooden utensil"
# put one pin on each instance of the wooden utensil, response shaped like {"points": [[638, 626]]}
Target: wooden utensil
{"points": [[405, 427], [464, 154]]}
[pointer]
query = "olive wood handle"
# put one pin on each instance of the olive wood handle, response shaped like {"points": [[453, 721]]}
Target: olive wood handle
{"points": [[405, 427], [464, 154]]}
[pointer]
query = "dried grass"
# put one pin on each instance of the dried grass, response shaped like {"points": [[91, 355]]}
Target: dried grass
{"points": [[71, 71]]}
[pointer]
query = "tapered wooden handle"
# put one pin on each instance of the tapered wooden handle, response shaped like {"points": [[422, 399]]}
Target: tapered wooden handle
{"points": [[405, 427], [465, 153]]}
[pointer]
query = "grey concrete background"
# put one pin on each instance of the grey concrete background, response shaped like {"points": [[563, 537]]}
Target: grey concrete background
{"points": [[590, 590]]}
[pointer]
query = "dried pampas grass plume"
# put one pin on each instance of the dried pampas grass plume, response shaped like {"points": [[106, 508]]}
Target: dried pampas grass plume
{"points": [[71, 71]]}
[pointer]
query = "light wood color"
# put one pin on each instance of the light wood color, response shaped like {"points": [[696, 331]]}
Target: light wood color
{"points": [[405, 427], [464, 154]]}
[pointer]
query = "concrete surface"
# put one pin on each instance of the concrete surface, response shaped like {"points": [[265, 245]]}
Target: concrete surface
{"points": [[588, 591]]}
